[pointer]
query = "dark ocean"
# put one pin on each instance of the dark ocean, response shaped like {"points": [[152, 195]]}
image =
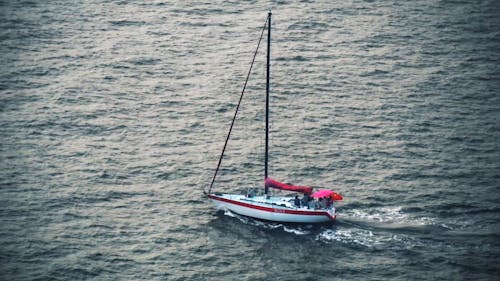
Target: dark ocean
{"points": [[113, 115]]}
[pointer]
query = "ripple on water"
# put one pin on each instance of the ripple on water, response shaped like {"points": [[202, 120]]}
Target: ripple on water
{"points": [[112, 115]]}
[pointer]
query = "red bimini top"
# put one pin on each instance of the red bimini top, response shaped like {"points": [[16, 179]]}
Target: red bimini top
{"points": [[327, 193]]}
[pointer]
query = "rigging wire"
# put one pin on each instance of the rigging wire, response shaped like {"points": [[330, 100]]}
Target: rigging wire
{"points": [[237, 108]]}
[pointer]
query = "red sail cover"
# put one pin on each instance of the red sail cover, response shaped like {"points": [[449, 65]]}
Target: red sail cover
{"points": [[279, 185]]}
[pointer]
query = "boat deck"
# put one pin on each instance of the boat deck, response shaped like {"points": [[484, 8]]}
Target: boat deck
{"points": [[275, 201]]}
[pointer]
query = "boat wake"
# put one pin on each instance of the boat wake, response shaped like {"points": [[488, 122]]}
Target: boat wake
{"points": [[386, 215], [369, 239], [382, 227], [297, 230], [323, 234], [386, 226], [349, 236]]}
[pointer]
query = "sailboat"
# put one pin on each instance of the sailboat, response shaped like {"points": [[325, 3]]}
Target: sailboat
{"points": [[313, 207]]}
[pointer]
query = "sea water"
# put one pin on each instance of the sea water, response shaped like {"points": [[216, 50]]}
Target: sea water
{"points": [[113, 115]]}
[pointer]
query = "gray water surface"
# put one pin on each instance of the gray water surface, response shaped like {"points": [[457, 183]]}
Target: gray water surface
{"points": [[113, 115]]}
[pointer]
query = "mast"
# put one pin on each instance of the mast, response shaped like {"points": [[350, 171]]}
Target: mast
{"points": [[266, 189]]}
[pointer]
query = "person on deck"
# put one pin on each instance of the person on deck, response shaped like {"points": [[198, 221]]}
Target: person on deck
{"points": [[305, 201], [322, 203], [297, 201], [311, 204], [329, 202], [251, 193]]}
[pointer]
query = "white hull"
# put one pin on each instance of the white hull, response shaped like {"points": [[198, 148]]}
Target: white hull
{"points": [[277, 209]]}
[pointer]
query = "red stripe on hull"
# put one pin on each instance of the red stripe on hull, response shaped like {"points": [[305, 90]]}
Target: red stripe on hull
{"points": [[272, 210]]}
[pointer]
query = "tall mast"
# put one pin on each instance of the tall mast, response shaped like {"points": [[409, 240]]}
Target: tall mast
{"points": [[267, 98]]}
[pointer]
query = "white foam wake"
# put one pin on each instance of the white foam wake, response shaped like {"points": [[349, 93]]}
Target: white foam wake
{"points": [[392, 214]]}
